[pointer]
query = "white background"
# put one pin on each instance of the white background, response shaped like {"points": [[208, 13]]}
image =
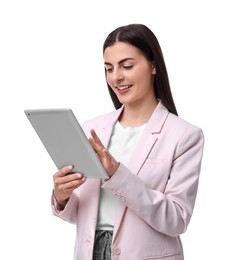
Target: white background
{"points": [[51, 56]]}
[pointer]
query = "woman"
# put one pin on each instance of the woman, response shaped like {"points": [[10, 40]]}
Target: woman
{"points": [[152, 157]]}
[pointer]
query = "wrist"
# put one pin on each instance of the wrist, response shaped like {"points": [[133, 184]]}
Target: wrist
{"points": [[60, 203], [115, 168]]}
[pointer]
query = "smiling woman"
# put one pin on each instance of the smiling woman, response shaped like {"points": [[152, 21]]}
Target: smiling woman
{"points": [[130, 75], [152, 158]]}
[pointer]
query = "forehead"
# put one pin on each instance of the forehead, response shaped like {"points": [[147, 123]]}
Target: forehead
{"points": [[121, 50]]}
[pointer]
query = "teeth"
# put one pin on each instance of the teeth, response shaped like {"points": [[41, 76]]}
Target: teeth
{"points": [[123, 87]]}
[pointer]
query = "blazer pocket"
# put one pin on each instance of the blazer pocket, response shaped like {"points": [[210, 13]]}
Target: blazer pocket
{"points": [[175, 256], [154, 160], [154, 173]]}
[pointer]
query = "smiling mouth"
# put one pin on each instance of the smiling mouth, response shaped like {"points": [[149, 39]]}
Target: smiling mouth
{"points": [[124, 87]]}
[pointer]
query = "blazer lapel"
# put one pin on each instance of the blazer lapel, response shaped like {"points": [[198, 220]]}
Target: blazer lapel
{"points": [[106, 129], [148, 138]]}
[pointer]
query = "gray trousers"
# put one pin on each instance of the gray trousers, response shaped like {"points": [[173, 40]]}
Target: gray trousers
{"points": [[102, 247]]}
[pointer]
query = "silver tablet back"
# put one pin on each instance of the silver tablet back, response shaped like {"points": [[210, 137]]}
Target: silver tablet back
{"points": [[65, 140]]}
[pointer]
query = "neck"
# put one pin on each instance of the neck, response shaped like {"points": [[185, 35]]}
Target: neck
{"points": [[133, 115]]}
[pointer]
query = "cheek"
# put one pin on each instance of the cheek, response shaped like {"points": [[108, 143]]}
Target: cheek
{"points": [[109, 79], [145, 79], [110, 82], [140, 75]]}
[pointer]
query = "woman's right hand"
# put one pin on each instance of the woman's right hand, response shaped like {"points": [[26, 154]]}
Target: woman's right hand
{"points": [[65, 183]]}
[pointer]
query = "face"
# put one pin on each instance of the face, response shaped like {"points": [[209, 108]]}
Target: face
{"points": [[129, 73]]}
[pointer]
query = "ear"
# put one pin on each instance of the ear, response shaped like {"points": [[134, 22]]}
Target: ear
{"points": [[153, 70]]}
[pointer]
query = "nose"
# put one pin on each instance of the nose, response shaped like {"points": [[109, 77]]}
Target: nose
{"points": [[117, 75]]}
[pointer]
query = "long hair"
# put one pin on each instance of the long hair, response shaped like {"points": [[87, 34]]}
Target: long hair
{"points": [[144, 39]]}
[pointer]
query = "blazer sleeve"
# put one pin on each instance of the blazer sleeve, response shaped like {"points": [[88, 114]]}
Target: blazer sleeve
{"points": [[167, 211], [69, 213]]}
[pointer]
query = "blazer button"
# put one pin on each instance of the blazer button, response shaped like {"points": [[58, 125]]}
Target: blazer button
{"points": [[116, 251], [123, 199], [118, 195]]}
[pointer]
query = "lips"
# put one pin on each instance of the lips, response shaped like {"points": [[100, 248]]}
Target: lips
{"points": [[120, 88]]}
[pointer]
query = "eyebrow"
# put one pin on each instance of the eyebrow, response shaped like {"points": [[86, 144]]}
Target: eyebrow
{"points": [[120, 62]]}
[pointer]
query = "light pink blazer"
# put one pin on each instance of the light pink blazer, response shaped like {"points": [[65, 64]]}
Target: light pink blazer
{"points": [[156, 191]]}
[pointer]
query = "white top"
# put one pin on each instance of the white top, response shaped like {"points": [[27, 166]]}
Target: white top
{"points": [[121, 146]]}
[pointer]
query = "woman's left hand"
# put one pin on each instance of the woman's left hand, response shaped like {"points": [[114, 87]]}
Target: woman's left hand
{"points": [[107, 160]]}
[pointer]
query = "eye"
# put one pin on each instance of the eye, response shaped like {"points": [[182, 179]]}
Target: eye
{"points": [[128, 67], [108, 69]]}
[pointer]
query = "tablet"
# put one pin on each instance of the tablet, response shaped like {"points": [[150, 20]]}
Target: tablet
{"points": [[65, 141]]}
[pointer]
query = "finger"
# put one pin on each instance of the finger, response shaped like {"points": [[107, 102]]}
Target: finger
{"points": [[107, 155], [107, 160], [70, 177], [98, 148], [63, 176], [63, 191], [109, 163], [74, 184], [64, 171], [96, 138]]}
